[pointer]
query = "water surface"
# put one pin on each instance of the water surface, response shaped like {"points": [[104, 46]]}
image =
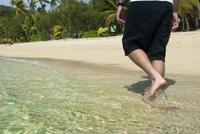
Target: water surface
{"points": [[63, 97]]}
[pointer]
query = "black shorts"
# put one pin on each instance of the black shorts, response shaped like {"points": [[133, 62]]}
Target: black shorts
{"points": [[148, 27]]}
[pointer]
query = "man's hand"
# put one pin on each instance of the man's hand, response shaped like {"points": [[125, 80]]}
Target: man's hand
{"points": [[120, 15], [175, 21]]}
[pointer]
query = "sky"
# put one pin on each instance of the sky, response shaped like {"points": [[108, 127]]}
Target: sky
{"points": [[7, 2]]}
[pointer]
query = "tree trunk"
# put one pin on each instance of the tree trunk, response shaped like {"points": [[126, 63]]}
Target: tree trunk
{"points": [[196, 23], [41, 3], [197, 20], [183, 23], [187, 23], [69, 16], [198, 6]]}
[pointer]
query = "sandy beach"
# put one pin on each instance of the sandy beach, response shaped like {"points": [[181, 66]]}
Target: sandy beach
{"points": [[183, 55]]}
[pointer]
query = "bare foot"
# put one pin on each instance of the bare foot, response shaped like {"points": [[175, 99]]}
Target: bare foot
{"points": [[158, 83]]}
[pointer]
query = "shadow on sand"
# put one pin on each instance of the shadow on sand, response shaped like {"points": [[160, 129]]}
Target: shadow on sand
{"points": [[140, 86]]}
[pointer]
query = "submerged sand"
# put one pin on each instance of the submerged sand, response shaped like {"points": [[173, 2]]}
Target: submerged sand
{"points": [[95, 99], [183, 55]]}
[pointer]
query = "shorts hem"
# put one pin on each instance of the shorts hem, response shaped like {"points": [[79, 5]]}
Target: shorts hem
{"points": [[157, 58], [127, 52]]}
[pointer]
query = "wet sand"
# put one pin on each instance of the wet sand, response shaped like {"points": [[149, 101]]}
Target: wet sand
{"points": [[182, 52], [175, 112]]}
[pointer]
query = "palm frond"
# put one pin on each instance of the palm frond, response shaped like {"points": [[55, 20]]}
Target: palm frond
{"points": [[110, 19], [112, 3]]}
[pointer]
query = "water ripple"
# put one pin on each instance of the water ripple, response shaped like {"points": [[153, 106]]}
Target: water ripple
{"points": [[32, 62]]}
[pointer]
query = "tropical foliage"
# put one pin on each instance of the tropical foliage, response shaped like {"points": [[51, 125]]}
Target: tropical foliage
{"points": [[35, 20], [190, 14]]}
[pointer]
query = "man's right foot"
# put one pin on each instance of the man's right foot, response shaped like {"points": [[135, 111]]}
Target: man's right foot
{"points": [[158, 83]]}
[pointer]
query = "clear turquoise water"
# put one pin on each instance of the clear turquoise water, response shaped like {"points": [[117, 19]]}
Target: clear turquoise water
{"points": [[39, 97]]}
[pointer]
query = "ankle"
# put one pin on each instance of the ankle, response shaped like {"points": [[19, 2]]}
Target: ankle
{"points": [[154, 75]]}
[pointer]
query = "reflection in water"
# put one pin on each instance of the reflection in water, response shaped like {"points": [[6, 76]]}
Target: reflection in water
{"points": [[57, 100]]}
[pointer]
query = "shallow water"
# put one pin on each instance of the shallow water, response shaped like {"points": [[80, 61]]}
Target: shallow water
{"points": [[58, 97]]}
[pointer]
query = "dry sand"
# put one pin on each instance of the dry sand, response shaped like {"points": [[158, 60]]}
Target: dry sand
{"points": [[183, 55]]}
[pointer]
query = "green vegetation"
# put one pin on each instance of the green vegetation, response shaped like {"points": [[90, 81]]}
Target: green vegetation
{"points": [[190, 14], [33, 21]]}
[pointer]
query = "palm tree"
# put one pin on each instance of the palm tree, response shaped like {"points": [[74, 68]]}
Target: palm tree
{"points": [[21, 8], [30, 14], [188, 8], [64, 7], [110, 14], [53, 4], [69, 16], [198, 18], [57, 32]]}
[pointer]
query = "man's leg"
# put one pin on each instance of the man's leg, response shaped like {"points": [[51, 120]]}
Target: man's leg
{"points": [[140, 58], [159, 66]]}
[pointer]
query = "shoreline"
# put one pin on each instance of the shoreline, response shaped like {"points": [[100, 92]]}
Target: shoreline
{"points": [[182, 52], [62, 63]]}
